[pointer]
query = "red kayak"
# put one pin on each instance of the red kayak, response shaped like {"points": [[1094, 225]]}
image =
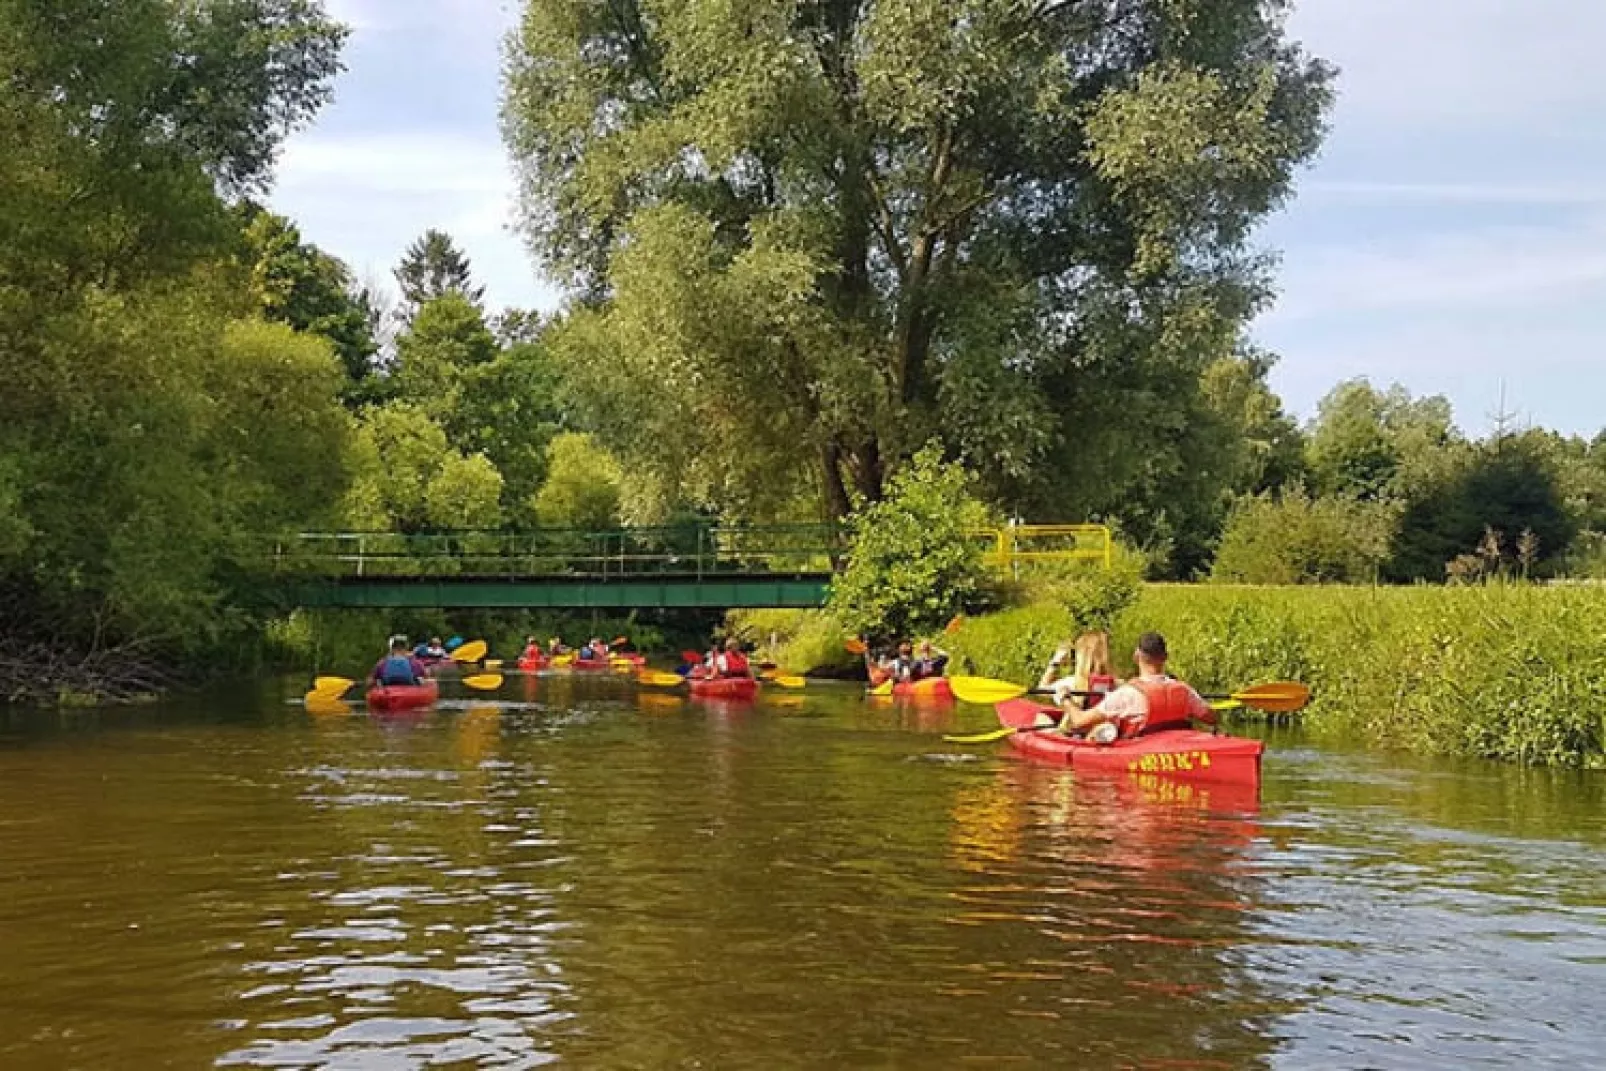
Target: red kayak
{"points": [[386, 698], [934, 688], [724, 688], [1181, 754]]}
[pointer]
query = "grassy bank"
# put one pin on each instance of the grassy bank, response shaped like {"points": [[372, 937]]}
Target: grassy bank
{"points": [[1505, 671]]}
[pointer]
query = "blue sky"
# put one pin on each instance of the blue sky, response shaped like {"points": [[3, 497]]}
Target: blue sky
{"points": [[1451, 238]]}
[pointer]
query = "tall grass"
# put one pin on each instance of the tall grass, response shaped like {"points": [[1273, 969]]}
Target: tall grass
{"points": [[1504, 671]]}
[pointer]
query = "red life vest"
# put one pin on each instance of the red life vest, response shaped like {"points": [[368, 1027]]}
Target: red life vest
{"points": [[1168, 701], [736, 665], [1099, 685]]}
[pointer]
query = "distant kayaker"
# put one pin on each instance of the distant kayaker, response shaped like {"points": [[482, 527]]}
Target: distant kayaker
{"points": [[1148, 702], [595, 651], [730, 662], [532, 651], [431, 651], [555, 647], [399, 666], [930, 661]]}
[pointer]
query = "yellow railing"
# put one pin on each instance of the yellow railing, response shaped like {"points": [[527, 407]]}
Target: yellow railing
{"points": [[1024, 544]]}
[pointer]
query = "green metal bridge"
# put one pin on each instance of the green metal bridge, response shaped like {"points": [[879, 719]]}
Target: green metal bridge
{"points": [[706, 565]]}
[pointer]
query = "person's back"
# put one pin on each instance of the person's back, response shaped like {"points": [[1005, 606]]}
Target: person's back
{"points": [[1153, 701], [398, 667], [733, 663]]}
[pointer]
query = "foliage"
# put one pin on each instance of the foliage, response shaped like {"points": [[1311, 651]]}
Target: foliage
{"points": [[1503, 671], [1293, 538], [811, 238], [408, 478], [802, 641], [582, 485], [1503, 487], [1372, 444], [142, 437], [1011, 645], [295, 283], [913, 563], [432, 268]]}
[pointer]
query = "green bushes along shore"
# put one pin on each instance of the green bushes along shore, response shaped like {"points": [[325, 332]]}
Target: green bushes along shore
{"points": [[1508, 671]]}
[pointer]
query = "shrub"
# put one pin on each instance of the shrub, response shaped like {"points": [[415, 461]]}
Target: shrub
{"points": [[1297, 539], [1501, 671], [913, 564]]}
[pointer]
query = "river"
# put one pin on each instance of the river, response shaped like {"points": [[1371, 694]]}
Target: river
{"points": [[591, 876]]}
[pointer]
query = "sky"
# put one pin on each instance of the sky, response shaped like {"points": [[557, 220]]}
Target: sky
{"points": [[1451, 237]]}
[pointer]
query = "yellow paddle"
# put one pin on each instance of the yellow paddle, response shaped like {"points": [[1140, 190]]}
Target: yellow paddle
{"points": [[882, 690], [654, 679], [484, 682], [999, 734], [1278, 697], [788, 680], [331, 687], [471, 652], [324, 704]]}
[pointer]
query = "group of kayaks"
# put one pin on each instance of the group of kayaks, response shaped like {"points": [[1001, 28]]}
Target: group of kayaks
{"points": [[1172, 754]]}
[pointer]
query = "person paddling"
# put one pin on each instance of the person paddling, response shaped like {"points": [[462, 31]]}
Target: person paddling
{"points": [[532, 652], [1090, 672], [731, 662], [1147, 703], [931, 660], [399, 666]]}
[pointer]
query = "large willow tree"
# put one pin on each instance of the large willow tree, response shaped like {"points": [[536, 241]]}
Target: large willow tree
{"points": [[807, 236]]}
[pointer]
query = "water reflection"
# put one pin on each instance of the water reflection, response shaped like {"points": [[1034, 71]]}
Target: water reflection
{"points": [[581, 873]]}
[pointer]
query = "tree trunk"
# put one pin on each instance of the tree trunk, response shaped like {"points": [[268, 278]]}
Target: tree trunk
{"points": [[837, 502]]}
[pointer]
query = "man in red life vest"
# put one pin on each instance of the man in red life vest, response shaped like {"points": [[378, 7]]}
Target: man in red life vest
{"points": [[1147, 703], [732, 662]]}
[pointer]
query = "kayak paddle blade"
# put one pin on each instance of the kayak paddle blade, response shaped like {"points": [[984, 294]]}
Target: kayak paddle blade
{"points": [[471, 652], [484, 682], [331, 687], [1281, 697], [985, 692], [855, 647], [787, 680], [655, 679], [325, 705]]}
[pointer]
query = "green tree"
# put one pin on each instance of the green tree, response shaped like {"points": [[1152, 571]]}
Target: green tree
{"points": [[446, 340], [913, 562], [582, 485], [1506, 487], [1381, 444], [465, 493], [296, 283], [121, 429], [434, 267], [1293, 538], [812, 237]]}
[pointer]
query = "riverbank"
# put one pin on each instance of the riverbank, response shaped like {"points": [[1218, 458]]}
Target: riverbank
{"points": [[1513, 672]]}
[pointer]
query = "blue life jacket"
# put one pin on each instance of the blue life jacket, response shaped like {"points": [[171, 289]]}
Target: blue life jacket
{"points": [[397, 670]]}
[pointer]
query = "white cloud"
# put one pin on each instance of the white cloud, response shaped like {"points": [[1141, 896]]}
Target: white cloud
{"points": [[1508, 267]]}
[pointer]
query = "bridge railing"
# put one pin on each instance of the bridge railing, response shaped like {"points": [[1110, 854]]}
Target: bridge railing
{"points": [[687, 550], [696, 551]]}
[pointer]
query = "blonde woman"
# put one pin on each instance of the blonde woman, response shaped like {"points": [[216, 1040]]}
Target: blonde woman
{"points": [[1092, 673]]}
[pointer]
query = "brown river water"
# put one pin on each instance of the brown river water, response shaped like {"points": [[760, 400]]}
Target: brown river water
{"points": [[589, 876]]}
